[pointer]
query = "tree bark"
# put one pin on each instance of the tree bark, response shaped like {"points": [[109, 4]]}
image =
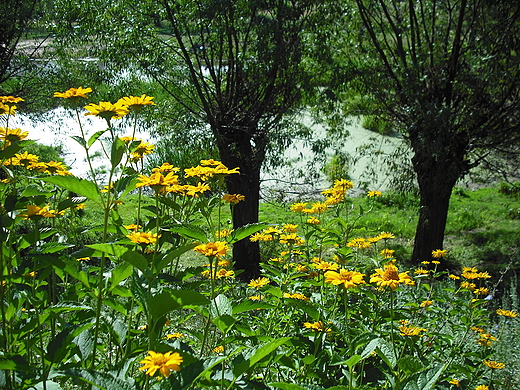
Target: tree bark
{"points": [[437, 174], [236, 150]]}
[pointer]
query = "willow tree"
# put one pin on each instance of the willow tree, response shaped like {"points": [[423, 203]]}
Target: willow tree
{"points": [[447, 72]]}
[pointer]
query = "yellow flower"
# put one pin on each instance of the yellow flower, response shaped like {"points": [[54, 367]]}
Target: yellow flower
{"points": [[438, 253], [166, 167], [374, 194], [299, 296], [409, 330], [348, 278], [218, 349], [141, 150], [200, 188], [482, 387], [313, 221], [143, 237], [426, 303], [421, 271], [485, 339], [11, 99], [507, 313], [326, 266], [291, 239], [132, 226], [494, 364], [298, 207], [74, 93], [290, 228], [317, 326], [12, 135], [360, 243], [390, 276], [157, 181], [107, 110], [453, 277], [385, 235], [165, 363], [175, 335], [223, 233], [24, 159], [217, 249], [7, 109], [455, 382], [36, 212], [209, 162], [136, 103], [387, 253], [55, 168], [258, 283], [233, 198], [258, 297], [481, 291]]}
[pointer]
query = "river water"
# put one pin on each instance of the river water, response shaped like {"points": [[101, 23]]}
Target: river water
{"points": [[58, 125]]}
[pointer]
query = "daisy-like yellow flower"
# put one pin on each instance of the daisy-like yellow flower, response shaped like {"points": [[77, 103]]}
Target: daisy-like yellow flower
{"points": [[485, 339], [210, 249], [12, 135], [472, 274], [385, 235], [481, 291], [258, 283], [143, 149], [482, 387], [258, 297], [218, 349], [507, 313], [317, 326], [157, 181], [132, 226], [164, 363], [409, 330], [24, 159], [299, 296], [10, 100], [390, 277], [298, 207], [468, 285], [223, 233], [233, 198], [372, 194], [454, 381], [453, 277], [326, 265], [438, 253], [55, 168], [494, 364], [345, 277], [194, 191], [143, 237], [313, 220], [291, 239], [209, 163], [421, 271], [136, 103], [7, 109], [175, 335], [36, 212], [166, 167], [426, 303], [74, 93], [387, 253], [107, 110]]}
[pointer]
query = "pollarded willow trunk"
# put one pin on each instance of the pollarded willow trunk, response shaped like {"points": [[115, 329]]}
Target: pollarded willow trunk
{"points": [[237, 151], [437, 174]]}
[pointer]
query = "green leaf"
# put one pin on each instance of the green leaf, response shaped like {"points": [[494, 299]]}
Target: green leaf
{"points": [[120, 273], [103, 380], [80, 140], [248, 305], [425, 380], [190, 231], [165, 302], [224, 322], [14, 148], [170, 256], [221, 305], [259, 353], [64, 307], [71, 202], [117, 152], [350, 362], [286, 386], [122, 252], [410, 364], [246, 230], [82, 187], [94, 137]]}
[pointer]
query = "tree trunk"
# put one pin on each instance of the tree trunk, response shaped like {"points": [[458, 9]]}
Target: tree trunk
{"points": [[236, 150], [437, 174]]}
